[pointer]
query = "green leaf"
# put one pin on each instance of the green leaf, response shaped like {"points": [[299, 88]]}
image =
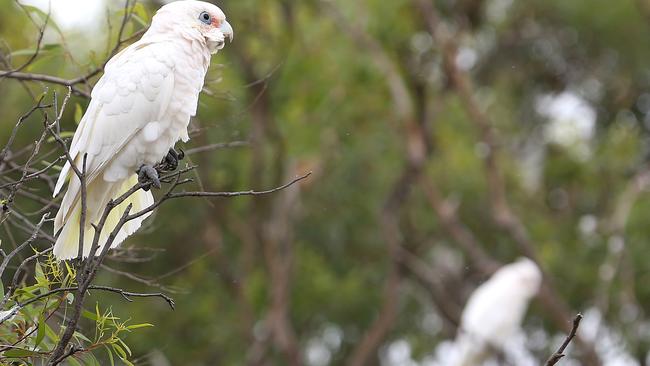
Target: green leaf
{"points": [[42, 15], [39, 275], [18, 353], [73, 361], [110, 355], [128, 350], [49, 332], [27, 292], [81, 336], [88, 315], [48, 49], [93, 360], [120, 351], [136, 326], [71, 272], [52, 306], [40, 333], [140, 10], [23, 52]]}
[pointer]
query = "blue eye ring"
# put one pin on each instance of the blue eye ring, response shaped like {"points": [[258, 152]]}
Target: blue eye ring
{"points": [[205, 17]]}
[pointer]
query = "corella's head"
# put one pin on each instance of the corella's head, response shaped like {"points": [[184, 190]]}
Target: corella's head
{"points": [[523, 275], [195, 19]]}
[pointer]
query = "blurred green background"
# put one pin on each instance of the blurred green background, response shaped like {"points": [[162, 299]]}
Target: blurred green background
{"points": [[361, 261]]}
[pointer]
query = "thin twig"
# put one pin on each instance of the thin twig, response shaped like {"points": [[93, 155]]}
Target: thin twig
{"points": [[555, 358], [171, 195], [217, 146], [27, 242]]}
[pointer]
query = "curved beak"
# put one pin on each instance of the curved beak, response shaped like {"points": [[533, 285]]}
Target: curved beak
{"points": [[227, 30]]}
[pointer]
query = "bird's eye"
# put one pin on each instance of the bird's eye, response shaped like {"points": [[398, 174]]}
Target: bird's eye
{"points": [[205, 17]]}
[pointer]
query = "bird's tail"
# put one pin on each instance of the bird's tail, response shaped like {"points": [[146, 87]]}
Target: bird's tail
{"points": [[99, 193]]}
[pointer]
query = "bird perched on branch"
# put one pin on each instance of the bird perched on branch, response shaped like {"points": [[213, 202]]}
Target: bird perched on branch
{"points": [[139, 109], [495, 310]]}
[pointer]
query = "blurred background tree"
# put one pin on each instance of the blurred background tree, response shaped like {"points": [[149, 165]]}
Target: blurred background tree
{"points": [[446, 138]]}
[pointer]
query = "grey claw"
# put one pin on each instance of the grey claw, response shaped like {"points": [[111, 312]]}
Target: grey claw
{"points": [[147, 174], [170, 162], [171, 159]]}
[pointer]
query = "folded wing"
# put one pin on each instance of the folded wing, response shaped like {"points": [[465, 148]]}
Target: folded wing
{"points": [[136, 89]]}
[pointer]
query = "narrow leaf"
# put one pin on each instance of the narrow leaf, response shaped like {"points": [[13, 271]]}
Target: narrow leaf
{"points": [[110, 355], [40, 333], [137, 326], [18, 353]]}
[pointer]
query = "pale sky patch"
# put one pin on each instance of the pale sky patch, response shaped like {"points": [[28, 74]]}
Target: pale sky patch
{"points": [[73, 14]]}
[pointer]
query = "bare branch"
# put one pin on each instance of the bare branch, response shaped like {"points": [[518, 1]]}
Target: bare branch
{"points": [[74, 82], [39, 43], [125, 294], [171, 195], [555, 358], [221, 145], [12, 137], [27, 242]]}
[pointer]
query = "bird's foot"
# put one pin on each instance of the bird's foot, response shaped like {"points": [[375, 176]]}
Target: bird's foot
{"points": [[147, 174], [170, 162]]}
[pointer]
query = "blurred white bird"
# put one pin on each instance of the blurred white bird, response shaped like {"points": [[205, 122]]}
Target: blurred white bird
{"points": [[139, 109], [494, 312]]}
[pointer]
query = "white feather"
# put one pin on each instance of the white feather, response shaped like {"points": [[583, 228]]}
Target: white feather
{"points": [[139, 108], [495, 310]]}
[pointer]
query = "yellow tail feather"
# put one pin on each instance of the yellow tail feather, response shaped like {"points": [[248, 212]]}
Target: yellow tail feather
{"points": [[67, 243]]}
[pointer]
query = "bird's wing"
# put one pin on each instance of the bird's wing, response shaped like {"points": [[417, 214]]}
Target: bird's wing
{"points": [[136, 89], [495, 310]]}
